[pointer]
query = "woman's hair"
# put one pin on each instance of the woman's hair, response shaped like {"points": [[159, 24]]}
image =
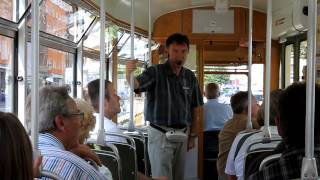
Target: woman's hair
{"points": [[16, 150], [89, 121]]}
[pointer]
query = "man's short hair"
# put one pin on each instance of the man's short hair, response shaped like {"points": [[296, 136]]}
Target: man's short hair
{"points": [[53, 101], [274, 108], [212, 90], [177, 38], [239, 102], [292, 110], [93, 92]]}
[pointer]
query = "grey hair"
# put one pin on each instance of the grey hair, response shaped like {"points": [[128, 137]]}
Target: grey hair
{"points": [[53, 101]]}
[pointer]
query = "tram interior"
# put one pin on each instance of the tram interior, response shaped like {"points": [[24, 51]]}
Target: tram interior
{"points": [[69, 52]]}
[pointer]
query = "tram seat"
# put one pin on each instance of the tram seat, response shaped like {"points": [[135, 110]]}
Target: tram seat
{"points": [[268, 160], [251, 161], [256, 152], [142, 151], [109, 157], [211, 150], [128, 160], [112, 162]]}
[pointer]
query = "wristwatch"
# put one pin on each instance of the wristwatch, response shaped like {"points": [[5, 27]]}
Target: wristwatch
{"points": [[194, 135]]}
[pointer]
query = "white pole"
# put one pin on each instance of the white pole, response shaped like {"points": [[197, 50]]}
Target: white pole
{"points": [[268, 66], [249, 122], [149, 35], [131, 122], [309, 166], [35, 75], [101, 132]]}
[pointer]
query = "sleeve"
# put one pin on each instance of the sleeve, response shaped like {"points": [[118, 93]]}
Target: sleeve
{"points": [[197, 99], [230, 166], [146, 80]]}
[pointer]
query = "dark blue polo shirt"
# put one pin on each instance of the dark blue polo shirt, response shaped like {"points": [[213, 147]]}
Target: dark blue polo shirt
{"points": [[170, 98]]}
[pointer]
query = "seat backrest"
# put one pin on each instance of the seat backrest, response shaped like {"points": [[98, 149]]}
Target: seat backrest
{"points": [[268, 160], [128, 160], [211, 144], [252, 161], [112, 162]]}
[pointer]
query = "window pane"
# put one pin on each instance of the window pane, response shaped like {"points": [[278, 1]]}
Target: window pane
{"points": [[289, 65], [140, 47], [6, 9], [6, 76], [124, 93], [303, 60], [55, 68], [93, 40], [91, 70], [231, 83], [63, 20]]}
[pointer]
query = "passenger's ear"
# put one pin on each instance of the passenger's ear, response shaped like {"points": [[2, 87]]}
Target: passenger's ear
{"points": [[59, 122]]}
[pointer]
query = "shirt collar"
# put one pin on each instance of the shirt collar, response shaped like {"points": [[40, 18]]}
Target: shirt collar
{"points": [[49, 139], [212, 100], [169, 70]]}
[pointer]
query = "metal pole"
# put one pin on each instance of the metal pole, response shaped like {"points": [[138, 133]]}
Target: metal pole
{"points": [[309, 166], [131, 122], [249, 122], [266, 130], [35, 75], [101, 132], [149, 35]]}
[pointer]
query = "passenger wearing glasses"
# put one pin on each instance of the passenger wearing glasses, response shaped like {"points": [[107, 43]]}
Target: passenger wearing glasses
{"points": [[60, 121]]}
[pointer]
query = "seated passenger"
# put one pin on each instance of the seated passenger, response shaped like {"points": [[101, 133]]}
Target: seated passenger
{"points": [[111, 108], [59, 131], [239, 104], [235, 163], [215, 113], [16, 150], [87, 125], [291, 127]]}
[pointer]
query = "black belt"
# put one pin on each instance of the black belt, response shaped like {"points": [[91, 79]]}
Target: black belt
{"points": [[163, 130]]}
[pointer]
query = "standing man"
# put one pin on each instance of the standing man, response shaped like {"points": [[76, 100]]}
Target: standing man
{"points": [[215, 113], [173, 101]]}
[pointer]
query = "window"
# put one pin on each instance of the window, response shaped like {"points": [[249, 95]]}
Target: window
{"points": [[63, 20], [6, 9], [55, 68], [232, 79], [123, 91], [91, 70], [303, 60], [289, 63], [6, 73]]}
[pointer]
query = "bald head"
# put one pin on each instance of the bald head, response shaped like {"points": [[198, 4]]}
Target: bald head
{"points": [[212, 91]]}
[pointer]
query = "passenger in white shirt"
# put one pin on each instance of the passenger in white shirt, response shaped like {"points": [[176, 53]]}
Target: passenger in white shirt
{"points": [[111, 109], [215, 113], [235, 162]]}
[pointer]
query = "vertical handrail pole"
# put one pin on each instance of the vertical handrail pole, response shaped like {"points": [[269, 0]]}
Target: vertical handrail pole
{"points": [[249, 122], [35, 75], [309, 166], [149, 35], [131, 122], [267, 74], [101, 133]]}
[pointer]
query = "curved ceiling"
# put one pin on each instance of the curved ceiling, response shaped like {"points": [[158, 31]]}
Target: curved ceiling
{"points": [[121, 9]]}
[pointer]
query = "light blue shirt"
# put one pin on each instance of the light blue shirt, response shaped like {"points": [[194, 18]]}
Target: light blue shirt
{"points": [[216, 114], [64, 163]]}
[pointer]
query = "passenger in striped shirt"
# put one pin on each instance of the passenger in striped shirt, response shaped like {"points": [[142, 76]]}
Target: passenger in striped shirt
{"points": [[59, 127]]}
